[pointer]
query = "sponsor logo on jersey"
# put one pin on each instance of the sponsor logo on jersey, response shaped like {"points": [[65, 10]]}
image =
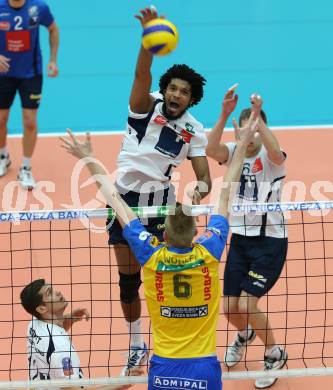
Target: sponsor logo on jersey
{"points": [[144, 235], [214, 230], [207, 284], [159, 286], [18, 41], [184, 312], [67, 366], [4, 26], [189, 128], [33, 337], [4, 14], [33, 16], [154, 242], [257, 166], [160, 120], [186, 135], [206, 235], [164, 382], [33, 10]]}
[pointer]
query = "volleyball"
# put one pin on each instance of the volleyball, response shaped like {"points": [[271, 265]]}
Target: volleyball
{"points": [[160, 37]]}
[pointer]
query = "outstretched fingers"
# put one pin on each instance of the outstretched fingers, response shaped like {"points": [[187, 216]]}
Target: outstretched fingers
{"points": [[231, 91], [236, 129], [72, 136], [252, 125], [88, 138], [147, 14]]}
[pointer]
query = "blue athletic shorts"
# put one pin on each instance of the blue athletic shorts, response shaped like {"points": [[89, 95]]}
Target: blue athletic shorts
{"points": [[253, 265], [30, 91], [184, 374]]}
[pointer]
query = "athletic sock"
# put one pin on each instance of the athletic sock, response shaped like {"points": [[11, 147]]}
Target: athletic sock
{"points": [[26, 162], [3, 151], [274, 352], [246, 333], [136, 338]]}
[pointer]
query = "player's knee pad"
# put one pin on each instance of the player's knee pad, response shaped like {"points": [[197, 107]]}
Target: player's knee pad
{"points": [[129, 286]]}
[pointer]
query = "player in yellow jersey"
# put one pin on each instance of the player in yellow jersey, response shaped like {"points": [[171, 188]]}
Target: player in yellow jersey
{"points": [[181, 279]]}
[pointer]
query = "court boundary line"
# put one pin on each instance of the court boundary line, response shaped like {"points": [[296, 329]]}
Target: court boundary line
{"points": [[227, 130]]}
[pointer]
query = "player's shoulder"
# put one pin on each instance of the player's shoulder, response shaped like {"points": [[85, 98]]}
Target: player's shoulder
{"points": [[38, 332], [44, 328], [190, 118], [37, 3], [4, 6], [188, 122], [156, 95], [264, 155], [40, 2]]}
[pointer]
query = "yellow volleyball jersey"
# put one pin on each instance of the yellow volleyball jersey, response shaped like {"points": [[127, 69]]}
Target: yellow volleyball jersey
{"points": [[182, 289]]}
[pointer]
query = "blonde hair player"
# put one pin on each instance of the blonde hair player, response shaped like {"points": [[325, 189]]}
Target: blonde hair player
{"points": [[181, 278], [258, 246]]}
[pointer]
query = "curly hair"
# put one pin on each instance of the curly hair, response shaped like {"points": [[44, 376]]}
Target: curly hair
{"points": [[184, 72]]}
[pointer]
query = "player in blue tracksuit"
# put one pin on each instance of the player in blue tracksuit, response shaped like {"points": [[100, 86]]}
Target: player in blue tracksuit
{"points": [[21, 71]]}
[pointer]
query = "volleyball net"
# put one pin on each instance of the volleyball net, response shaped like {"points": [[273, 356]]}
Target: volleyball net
{"points": [[69, 249]]}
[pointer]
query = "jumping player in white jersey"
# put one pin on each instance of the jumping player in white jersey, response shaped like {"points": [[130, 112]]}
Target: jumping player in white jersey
{"points": [[258, 245], [160, 135], [51, 354]]}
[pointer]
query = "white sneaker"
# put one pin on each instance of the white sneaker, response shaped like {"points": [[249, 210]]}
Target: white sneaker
{"points": [[26, 179], [235, 350], [137, 357], [4, 164], [272, 364]]}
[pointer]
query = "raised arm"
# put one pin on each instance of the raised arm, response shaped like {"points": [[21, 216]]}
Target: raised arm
{"points": [[216, 149], [83, 150], [234, 170], [140, 100], [201, 169], [269, 140]]}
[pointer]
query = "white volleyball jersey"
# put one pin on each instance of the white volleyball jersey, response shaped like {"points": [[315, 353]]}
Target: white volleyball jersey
{"points": [[261, 181], [51, 354], [153, 145]]}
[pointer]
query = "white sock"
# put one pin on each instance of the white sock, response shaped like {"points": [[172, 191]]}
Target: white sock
{"points": [[3, 151], [273, 352], [134, 329], [246, 333], [26, 162]]}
